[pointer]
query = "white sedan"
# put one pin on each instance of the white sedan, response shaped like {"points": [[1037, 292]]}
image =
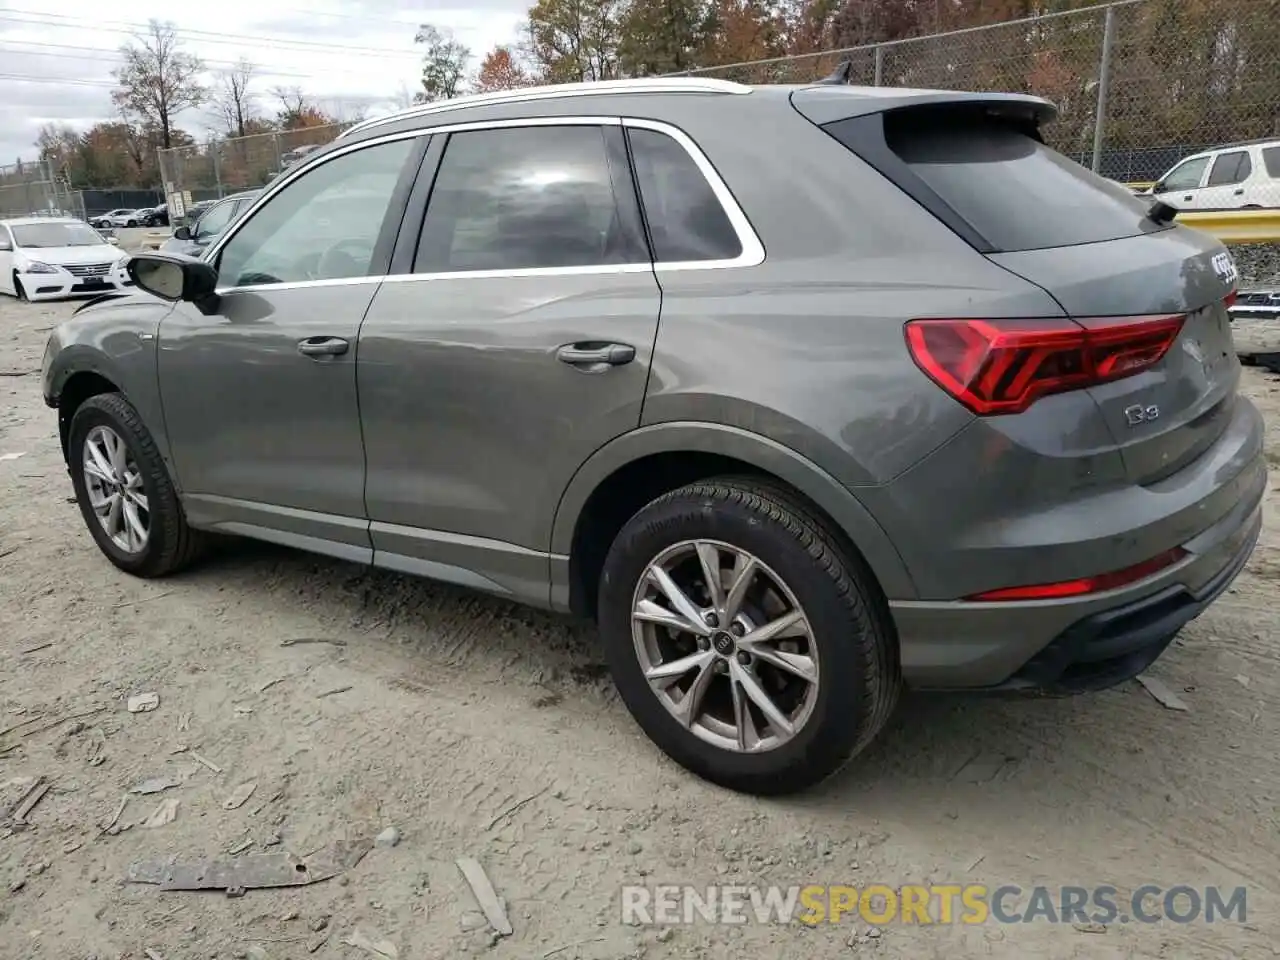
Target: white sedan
{"points": [[42, 258]]}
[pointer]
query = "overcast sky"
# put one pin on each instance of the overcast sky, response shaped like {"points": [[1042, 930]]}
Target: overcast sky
{"points": [[57, 58]]}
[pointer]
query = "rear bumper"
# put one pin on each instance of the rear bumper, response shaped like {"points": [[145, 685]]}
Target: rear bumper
{"points": [[1081, 643]]}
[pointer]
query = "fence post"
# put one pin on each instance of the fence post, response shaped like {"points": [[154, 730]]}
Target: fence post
{"points": [[1104, 87], [275, 139], [879, 80], [215, 153]]}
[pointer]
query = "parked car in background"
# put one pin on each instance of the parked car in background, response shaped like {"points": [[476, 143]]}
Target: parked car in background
{"points": [[897, 395], [296, 156], [208, 225], [1239, 175], [123, 217], [42, 258], [154, 216]]}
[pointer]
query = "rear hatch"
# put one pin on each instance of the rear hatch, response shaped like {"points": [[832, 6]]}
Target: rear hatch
{"points": [[1154, 297]]}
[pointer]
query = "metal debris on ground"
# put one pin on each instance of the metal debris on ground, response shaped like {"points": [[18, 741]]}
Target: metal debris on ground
{"points": [[294, 641], [379, 948], [165, 813], [155, 785], [132, 603], [271, 683], [30, 799], [490, 904], [1160, 691], [12, 456], [205, 762], [144, 702], [38, 646], [239, 795], [330, 693], [262, 871]]}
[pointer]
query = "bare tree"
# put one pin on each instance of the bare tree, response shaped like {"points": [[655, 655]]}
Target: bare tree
{"points": [[158, 80], [233, 99]]}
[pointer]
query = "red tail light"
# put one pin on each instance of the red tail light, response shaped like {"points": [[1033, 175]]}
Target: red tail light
{"points": [[1086, 585], [1004, 366]]}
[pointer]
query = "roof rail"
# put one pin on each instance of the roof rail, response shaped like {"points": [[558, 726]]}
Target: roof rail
{"points": [[554, 91]]}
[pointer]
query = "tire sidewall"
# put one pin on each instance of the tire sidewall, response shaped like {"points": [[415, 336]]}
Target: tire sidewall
{"points": [[833, 728], [93, 414]]}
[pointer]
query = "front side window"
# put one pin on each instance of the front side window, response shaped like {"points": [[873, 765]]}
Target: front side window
{"points": [[322, 226], [685, 217], [1230, 168], [525, 198], [1186, 176], [214, 220]]}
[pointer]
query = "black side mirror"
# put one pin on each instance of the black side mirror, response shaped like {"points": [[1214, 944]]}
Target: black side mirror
{"points": [[182, 233], [173, 276]]}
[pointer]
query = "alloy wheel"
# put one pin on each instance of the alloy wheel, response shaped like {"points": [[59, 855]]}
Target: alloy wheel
{"points": [[113, 485], [725, 646]]}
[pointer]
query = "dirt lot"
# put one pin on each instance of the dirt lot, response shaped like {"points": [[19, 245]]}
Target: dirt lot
{"points": [[480, 729]]}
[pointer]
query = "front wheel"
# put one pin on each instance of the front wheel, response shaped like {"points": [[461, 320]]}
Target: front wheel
{"points": [[19, 290], [744, 639], [131, 223], [125, 495]]}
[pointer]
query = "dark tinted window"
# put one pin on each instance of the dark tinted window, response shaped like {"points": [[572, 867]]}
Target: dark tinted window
{"points": [[1012, 190], [1271, 157], [525, 198], [686, 219], [1230, 168]]}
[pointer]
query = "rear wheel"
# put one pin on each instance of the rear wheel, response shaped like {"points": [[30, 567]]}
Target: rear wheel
{"points": [[743, 640], [125, 495], [131, 223]]}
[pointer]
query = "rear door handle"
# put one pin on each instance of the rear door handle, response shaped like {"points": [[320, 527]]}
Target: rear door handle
{"points": [[596, 354], [323, 347]]}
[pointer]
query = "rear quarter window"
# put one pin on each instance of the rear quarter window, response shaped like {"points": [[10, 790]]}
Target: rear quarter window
{"points": [[1013, 191]]}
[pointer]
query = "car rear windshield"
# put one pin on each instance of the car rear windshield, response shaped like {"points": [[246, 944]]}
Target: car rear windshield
{"points": [[1011, 189]]}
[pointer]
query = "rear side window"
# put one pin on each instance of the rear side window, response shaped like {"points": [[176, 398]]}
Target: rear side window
{"points": [[1230, 168], [526, 198], [1012, 190], [1271, 157], [686, 219]]}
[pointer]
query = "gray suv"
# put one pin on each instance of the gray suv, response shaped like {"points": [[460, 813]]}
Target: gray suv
{"points": [[803, 393]]}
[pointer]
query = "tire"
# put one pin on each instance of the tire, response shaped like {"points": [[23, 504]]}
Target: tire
{"points": [[131, 223], [799, 564], [170, 544], [19, 290]]}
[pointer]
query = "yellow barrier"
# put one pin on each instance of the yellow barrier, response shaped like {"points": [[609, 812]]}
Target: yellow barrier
{"points": [[1145, 185], [1235, 226]]}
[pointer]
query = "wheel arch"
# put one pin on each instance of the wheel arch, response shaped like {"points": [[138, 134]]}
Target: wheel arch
{"points": [[78, 387], [632, 470]]}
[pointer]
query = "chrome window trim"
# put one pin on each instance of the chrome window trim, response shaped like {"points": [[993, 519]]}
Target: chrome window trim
{"points": [[752, 254], [556, 91]]}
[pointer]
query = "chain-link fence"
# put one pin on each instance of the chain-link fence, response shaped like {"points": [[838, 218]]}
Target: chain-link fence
{"points": [[222, 167], [32, 190], [1139, 84]]}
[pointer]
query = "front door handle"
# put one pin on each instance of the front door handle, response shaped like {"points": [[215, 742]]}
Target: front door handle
{"points": [[596, 354], [1240, 192], [1188, 197], [323, 347]]}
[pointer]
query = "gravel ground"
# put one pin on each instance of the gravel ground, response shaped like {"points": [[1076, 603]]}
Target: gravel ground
{"points": [[480, 729]]}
